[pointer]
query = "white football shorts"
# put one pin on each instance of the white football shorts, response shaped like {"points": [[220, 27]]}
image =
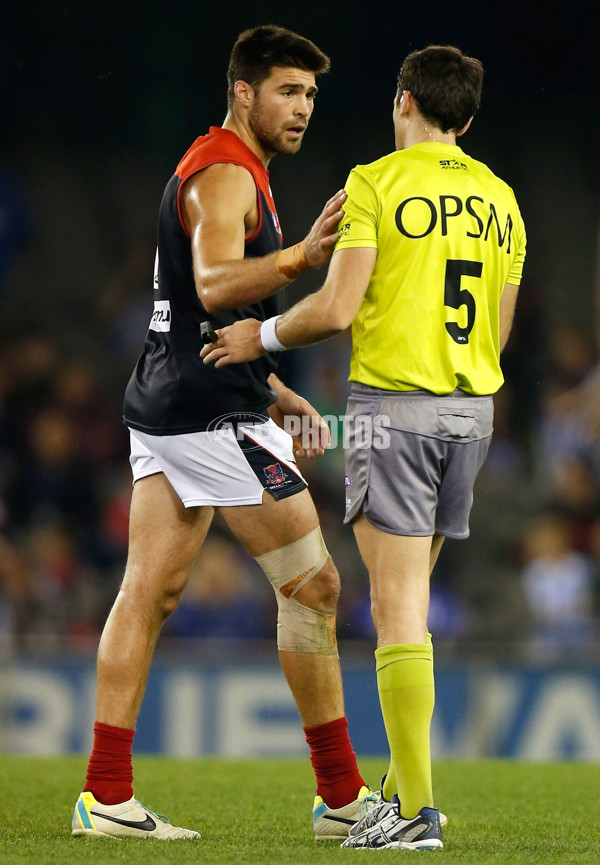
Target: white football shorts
{"points": [[225, 467]]}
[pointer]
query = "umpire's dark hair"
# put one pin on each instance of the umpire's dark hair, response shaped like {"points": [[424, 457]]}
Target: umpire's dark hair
{"points": [[445, 83], [258, 50]]}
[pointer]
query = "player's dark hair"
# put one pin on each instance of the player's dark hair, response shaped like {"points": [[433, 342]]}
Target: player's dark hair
{"points": [[258, 50], [445, 83]]}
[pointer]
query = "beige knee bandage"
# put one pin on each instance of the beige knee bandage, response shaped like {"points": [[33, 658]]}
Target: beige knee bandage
{"points": [[299, 628]]}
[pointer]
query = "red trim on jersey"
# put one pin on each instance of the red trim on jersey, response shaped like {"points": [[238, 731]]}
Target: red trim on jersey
{"points": [[223, 145]]}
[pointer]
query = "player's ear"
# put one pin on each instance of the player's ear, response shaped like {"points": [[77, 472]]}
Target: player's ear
{"points": [[244, 93], [465, 127]]}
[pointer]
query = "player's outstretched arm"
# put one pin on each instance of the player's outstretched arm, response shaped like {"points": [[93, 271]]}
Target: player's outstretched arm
{"points": [[220, 210]]}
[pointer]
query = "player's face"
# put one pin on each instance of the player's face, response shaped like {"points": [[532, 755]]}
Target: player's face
{"points": [[281, 109]]}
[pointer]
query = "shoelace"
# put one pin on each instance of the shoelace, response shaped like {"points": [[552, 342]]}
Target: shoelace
{"points": [[154, 813], [364, 807]]}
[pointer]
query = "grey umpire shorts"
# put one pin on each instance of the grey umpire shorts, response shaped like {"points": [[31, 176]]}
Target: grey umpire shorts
{"points": [[412, 458]]}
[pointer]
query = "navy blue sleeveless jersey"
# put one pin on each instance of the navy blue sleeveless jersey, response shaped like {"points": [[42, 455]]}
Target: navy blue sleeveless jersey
{"points": [[171, 390]]}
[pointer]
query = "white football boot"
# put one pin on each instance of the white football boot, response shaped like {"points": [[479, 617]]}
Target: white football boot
{"points": [[333, 824], [128, 819]]}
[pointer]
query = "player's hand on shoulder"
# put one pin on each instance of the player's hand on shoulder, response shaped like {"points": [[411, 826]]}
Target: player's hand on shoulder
{"points": [[320, 240], [238, 343]]}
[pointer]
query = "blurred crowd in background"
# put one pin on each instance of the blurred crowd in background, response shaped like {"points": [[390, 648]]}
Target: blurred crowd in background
{"points": [[526, 584]]}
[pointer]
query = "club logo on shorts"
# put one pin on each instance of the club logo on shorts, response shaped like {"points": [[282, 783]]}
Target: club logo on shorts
{"points": [[275, 474], [347, 481]]}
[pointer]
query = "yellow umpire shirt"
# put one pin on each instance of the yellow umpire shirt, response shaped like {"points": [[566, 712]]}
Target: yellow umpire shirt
{"points": [[448, 235]]}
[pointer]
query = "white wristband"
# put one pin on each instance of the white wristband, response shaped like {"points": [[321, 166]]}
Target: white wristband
{"points": [[268, 336]]}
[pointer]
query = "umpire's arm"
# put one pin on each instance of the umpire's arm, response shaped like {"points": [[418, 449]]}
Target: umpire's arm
{"points": [[319, 316], [508, 302], [333, 308]]}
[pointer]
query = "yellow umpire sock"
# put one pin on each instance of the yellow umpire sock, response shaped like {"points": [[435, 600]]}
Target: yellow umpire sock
{"points": [[407, 696]]}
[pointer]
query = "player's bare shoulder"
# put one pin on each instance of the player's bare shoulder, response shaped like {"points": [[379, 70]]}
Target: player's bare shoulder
{"points": [[222, 190]]}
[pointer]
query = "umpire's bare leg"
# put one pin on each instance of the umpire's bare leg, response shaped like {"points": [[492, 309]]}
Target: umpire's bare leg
{"points": [[399, 568]]}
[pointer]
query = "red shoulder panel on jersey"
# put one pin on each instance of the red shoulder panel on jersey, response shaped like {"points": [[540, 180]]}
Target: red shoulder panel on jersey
{"points": [[222, 145]]}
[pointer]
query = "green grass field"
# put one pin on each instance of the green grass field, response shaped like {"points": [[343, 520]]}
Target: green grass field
{"points": [[258, 811]]}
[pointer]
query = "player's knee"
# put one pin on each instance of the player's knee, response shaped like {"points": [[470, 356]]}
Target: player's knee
{"points": [[165, 600], [149, 606], [306, 584], [322, 592], [291, 567], [302, 629], [304, 571], [170, 601]]}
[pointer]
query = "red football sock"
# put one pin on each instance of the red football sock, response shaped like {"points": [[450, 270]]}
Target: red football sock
{"points": [[110, 773], [334, 762]]}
